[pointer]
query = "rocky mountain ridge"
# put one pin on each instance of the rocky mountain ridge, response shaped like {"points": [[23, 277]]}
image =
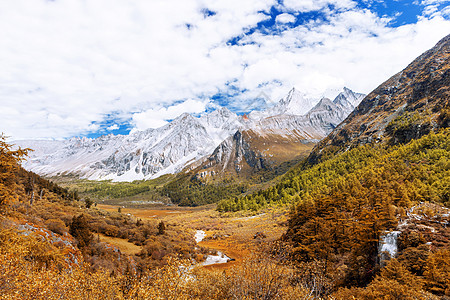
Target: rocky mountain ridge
{"points": [[277, 138], [169, 149], [407, 106]]}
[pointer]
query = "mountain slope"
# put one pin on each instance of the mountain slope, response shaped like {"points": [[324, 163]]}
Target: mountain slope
{"points": [[406, 106], [273, 140], [417, 106], [141, 155], [168, 149], [382, 177]]}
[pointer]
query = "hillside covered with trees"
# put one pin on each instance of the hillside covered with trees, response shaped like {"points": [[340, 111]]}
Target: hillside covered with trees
{"points": [[52, 247], [384, 170], [369, 217]]}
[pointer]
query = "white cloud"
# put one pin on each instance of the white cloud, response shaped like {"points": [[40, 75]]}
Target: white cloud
{"points": [[157, 117], [113, 127], [355, 49], [315, 5], [430, 2], [285, 18], [67, 65], [433, 8]]}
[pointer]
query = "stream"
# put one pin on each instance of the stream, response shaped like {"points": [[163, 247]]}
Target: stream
{"points": [[220, 258], [388, 247]]}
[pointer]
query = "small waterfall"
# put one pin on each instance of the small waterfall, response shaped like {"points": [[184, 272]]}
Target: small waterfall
{"points": [[387, 247]]}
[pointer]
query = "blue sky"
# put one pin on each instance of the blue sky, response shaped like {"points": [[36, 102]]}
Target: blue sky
{"points": [[74, 68]]}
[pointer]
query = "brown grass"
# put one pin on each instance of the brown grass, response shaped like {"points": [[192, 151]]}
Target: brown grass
{"points": [[124, 246], [233, 234], [144, 214]]}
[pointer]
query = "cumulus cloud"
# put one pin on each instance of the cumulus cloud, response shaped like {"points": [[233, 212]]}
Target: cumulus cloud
{"points": [[430, 2], [157, 117], [433, 8], [315, 5], [285, 18], [113, 127], [68, 65], [354, 48]]}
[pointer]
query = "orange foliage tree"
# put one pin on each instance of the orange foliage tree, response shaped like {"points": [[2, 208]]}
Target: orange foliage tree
{"points": [[9, 164]]}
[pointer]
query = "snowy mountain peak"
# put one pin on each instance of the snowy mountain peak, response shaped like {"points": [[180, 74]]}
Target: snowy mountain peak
{"points": [[324, 104], [295, 103], [324, 101], [293, 93], [350, 96], [348, 99], [168, 149], [218, 117], [184, 117], [223, 111]]}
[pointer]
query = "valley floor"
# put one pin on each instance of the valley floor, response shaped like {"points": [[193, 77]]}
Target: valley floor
{"points": [[235, 235]]}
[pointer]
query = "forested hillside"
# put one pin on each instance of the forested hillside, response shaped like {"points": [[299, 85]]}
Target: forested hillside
{"points": [[385, 169], [46, 229], [55, 246], [417, 171], [408, 105]]}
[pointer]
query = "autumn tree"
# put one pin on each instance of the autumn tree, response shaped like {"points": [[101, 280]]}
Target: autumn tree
{"points": [[161, 228], [88, 202], [79, 229], [9, 164]]}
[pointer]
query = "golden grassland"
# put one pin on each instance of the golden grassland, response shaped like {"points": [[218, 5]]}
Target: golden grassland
{"points": [[235, 234], [142, 213], [124, 246]]}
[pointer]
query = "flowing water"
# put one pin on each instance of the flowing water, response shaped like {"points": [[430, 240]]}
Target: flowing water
{"points": [[220, 258], [388, 246]]}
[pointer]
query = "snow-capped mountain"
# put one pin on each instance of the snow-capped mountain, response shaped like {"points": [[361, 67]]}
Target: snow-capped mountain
{"points": [[323, 117], [141, 155], [295, 103], [168, 149], [348, 100], [220, 123], [270, 138]]}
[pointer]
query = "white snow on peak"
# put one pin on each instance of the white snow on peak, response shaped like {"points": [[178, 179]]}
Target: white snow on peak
{"points": [[348, 99], [298, 103], [151, 153], [295, 103], [221, 123]]}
